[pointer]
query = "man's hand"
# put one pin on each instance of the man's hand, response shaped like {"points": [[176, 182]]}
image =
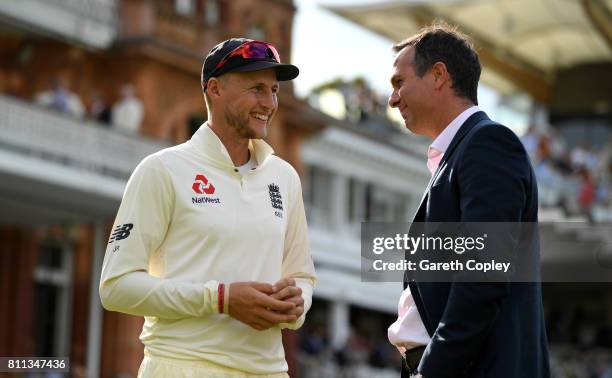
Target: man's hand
{"points": [[252, 304], [286, 291]]}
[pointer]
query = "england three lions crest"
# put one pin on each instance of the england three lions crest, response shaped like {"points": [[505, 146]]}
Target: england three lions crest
{"points": [[276, 199]]}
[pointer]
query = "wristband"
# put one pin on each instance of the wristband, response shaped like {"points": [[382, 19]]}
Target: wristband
{"points": [[226, 300], [221, 298]]}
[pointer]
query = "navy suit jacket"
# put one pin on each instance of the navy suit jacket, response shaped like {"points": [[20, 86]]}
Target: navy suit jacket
{"points": [[478, 330]]}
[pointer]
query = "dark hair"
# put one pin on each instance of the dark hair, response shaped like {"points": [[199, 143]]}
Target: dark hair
{"points": [[443, 43]]}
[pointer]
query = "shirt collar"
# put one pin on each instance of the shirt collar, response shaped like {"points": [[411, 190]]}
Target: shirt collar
{"points": [[208, 143], [445, 138]]}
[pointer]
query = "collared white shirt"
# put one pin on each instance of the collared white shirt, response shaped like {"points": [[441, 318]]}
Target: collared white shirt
{"points": [[249, 165], [189, 220], [408, 331]]}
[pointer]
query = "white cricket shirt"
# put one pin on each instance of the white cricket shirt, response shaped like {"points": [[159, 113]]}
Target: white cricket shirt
{"points": [[189, 220]]}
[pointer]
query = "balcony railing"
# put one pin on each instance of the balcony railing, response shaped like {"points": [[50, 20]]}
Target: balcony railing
{"points": [[100, 10], [81, 144], [90, 22], [187, 31]]}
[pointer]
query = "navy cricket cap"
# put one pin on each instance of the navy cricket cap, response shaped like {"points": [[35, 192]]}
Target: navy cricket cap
{"points": [[244, 55]]}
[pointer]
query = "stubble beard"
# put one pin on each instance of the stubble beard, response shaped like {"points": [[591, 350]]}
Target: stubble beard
{"points": [[240, 124]]}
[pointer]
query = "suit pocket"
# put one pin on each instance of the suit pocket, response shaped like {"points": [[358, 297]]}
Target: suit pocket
{"points": [[440, 181]]}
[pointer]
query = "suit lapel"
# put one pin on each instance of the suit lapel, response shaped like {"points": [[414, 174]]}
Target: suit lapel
{"points": [[419, 216], [421, 213], [468, 125]]}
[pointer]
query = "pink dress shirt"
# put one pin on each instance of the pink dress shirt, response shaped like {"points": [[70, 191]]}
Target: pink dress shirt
{"points": [[408, 331]]}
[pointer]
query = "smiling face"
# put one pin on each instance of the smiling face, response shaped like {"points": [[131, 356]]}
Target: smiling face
{"points": [[414, 96], [249, 102]]}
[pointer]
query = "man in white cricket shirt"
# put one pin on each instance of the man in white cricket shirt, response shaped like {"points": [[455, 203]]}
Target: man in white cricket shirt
{"points": [[210, 242]]}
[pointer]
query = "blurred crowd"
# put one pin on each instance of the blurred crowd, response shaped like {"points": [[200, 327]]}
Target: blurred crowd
{"points": [[362, 102], [580, 343], [359, 103], [580, 339], [366, 357], [577, 178], [568, 362], [362, 355], [125, 114]]}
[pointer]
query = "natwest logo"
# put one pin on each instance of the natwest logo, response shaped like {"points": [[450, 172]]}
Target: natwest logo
{"points": [[202, 186]]}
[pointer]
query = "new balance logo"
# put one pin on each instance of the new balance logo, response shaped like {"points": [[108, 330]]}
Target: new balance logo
{"points": [[275, 197], [121, 232]]}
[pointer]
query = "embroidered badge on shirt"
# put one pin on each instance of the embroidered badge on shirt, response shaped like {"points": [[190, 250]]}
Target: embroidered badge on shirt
{"points": [[205, 188], [276, 199], [202, 186]]}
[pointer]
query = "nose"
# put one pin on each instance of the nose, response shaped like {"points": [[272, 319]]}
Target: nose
{"points": [[268, 100], [394, 99]]}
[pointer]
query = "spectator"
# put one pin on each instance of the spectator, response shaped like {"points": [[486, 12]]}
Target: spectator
{"points": [[583, 156], [99, 110], [127, 113], [357, 348], [544, 148], [362, 103], [531, 140], [60, 98], [563, 164], [314, 341], [558, 149], [587, 191], [605, 159]]}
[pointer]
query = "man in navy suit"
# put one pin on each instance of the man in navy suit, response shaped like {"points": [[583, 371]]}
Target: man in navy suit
{"points": [[480, 173]]}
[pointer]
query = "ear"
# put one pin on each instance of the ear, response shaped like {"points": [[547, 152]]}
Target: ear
{"points": [[214, 87], [440, 74]]}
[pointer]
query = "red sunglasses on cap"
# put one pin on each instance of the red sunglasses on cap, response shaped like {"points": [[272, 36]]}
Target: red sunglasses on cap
{"points": [[245, 55], [251, 50]]}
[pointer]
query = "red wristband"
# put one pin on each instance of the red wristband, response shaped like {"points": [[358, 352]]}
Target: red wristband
{"points": [[221, 297]]}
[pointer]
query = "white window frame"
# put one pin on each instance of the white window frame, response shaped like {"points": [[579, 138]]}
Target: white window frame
{"points": [[61, 278]]}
